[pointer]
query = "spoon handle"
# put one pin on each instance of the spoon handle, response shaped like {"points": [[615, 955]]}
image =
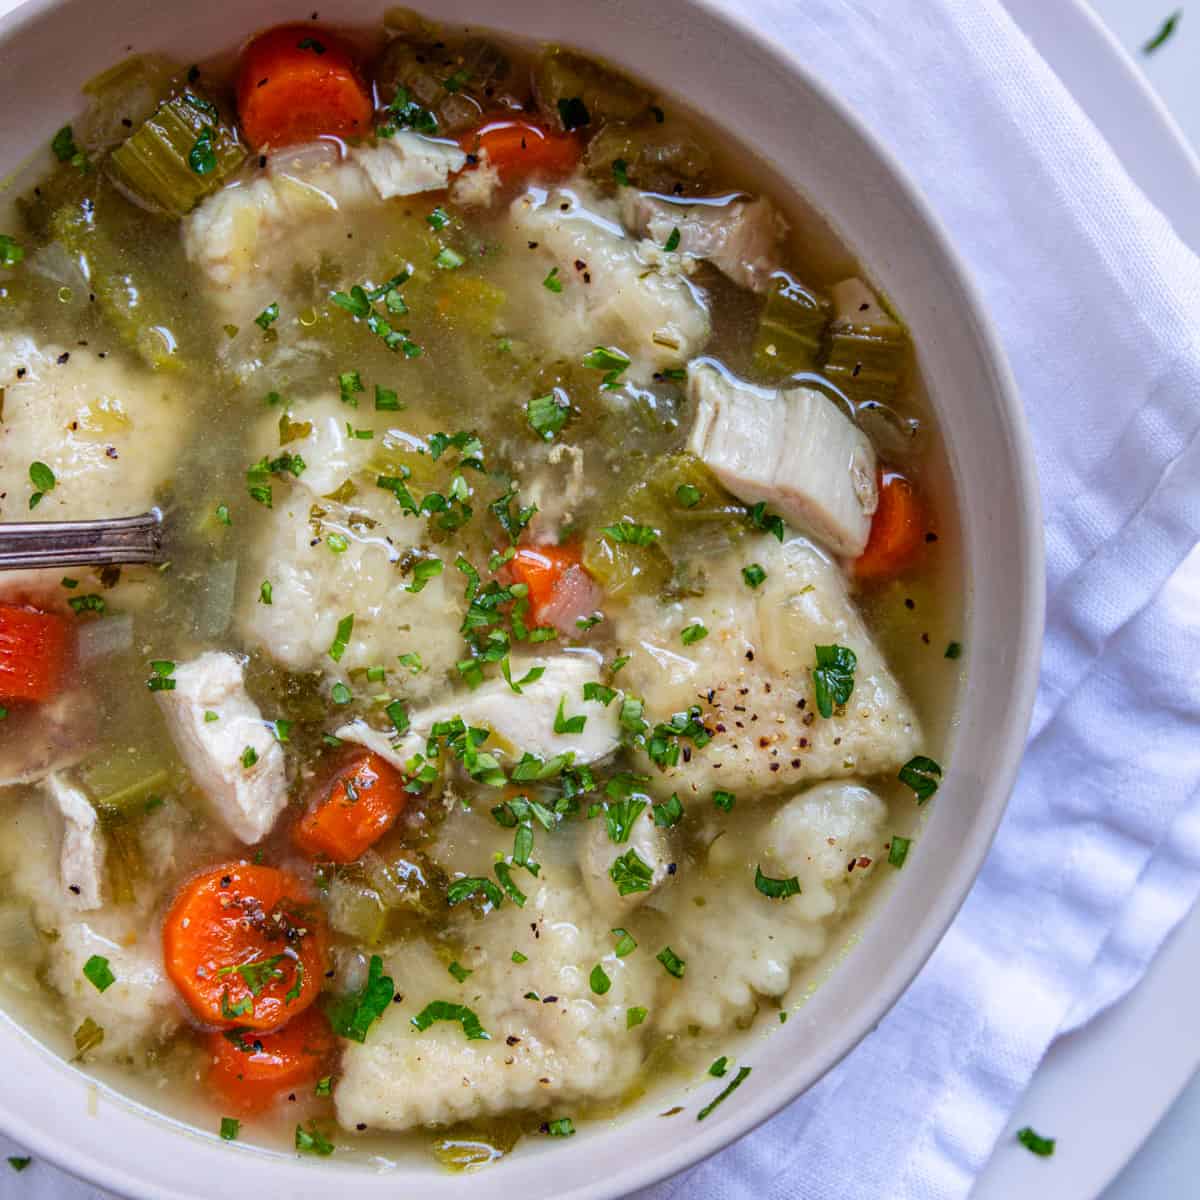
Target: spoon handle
{"points": [[112, 541]]}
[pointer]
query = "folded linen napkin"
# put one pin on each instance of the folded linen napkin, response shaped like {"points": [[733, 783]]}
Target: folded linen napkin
{"points": [[1099, 854]]}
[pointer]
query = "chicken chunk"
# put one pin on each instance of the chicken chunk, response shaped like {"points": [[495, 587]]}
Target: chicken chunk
{"points": [[740, 237], [752, 677], [520, 724], [795, 449], [610, 295], [81, 857], [407, 164], [231, 752]]}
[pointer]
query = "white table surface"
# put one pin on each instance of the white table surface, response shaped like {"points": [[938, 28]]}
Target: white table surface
{"points": [[1168, 1165]]}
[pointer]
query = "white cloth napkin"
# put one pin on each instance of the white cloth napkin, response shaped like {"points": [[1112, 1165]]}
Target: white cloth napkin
{"points": [[1099, 856]]}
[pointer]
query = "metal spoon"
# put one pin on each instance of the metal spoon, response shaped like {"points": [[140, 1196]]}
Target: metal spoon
{"points": [[108, 542]]}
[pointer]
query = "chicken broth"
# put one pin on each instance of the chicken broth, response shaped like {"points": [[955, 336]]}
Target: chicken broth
{"points": [[559, 637]]}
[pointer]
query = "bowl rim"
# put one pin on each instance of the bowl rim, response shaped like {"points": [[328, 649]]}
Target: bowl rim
{"points": [[768, 1100]]}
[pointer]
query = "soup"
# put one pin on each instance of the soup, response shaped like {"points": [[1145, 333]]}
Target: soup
{"points": [[556, 645]]}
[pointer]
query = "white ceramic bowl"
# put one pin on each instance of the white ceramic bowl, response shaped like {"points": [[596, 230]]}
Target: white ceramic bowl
{"points": [[761, 94]]}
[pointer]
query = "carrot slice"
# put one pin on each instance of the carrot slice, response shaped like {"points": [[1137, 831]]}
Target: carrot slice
{"points": [[249, 1070], [542, 569], [245, 946], [297, 82], [897, 530], [33, 653], [353, 810], [518, 149]]}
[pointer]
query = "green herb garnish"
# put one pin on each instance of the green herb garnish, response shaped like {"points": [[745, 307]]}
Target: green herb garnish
{"points": [[776, 889]]}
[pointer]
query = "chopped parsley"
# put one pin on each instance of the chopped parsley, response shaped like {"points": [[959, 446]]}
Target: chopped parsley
{"points": [[412, 660], [201, 157], [353, 1014], [472, 885], [90, 603], [98, 973], [565, 724], [724, 800], [695, 632], [732, 1087], [718, 1069], [519, 958], [249, 757], [922, 775], [266, 593], [620, 170], [11, 251], [313, 1141], [688, 495], [599, 980], [611, 361], [899, 850], [519, 685], [625, 943], [223, 517], [631, 533], [672, 962], [230, 1129], [438, 219], [552, 283], [161, 680], [349, 385], [65, 149], [423, 571], [386, 400], [514, 893], [312, 44], [1035, 1143], [268, 316], [599, 693], [458, 971], [19, 1162], [340, 693], [776, 889], [767, 521], [954, 650], [43, 481], [443, 1010], [345, 628], [669, 813], [448, 260], [88, 1035], [1166, 30], [833, 677], [563, 1126], [337, 543], [634, 1016], [672, 242], [753, 575], [405, 113], [324, 1086], [619, 816], [631, 873], [546, 416]]}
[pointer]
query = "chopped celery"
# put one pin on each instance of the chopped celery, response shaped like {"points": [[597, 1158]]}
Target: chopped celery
{"points": [[122, 97], [695, 518], [181, 153], [868, 349], [123, 860], [656, 156], [468, 1147], [128, 268], [790, 328], [356, 909], [122, 781], [564, 81]]}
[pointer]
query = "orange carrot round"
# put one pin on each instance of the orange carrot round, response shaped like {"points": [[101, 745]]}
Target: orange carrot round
{"points": [[245, 946], [897, 530], [352, 810], [519, 148], [297, 82], [249, 1070], [541, 568], [33, 653]]}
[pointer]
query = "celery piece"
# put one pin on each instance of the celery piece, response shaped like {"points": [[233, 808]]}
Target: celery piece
{"points": [[180, 154], [790, 328], [573, 91], [868, 348], [123, 780], [656, 156]]}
